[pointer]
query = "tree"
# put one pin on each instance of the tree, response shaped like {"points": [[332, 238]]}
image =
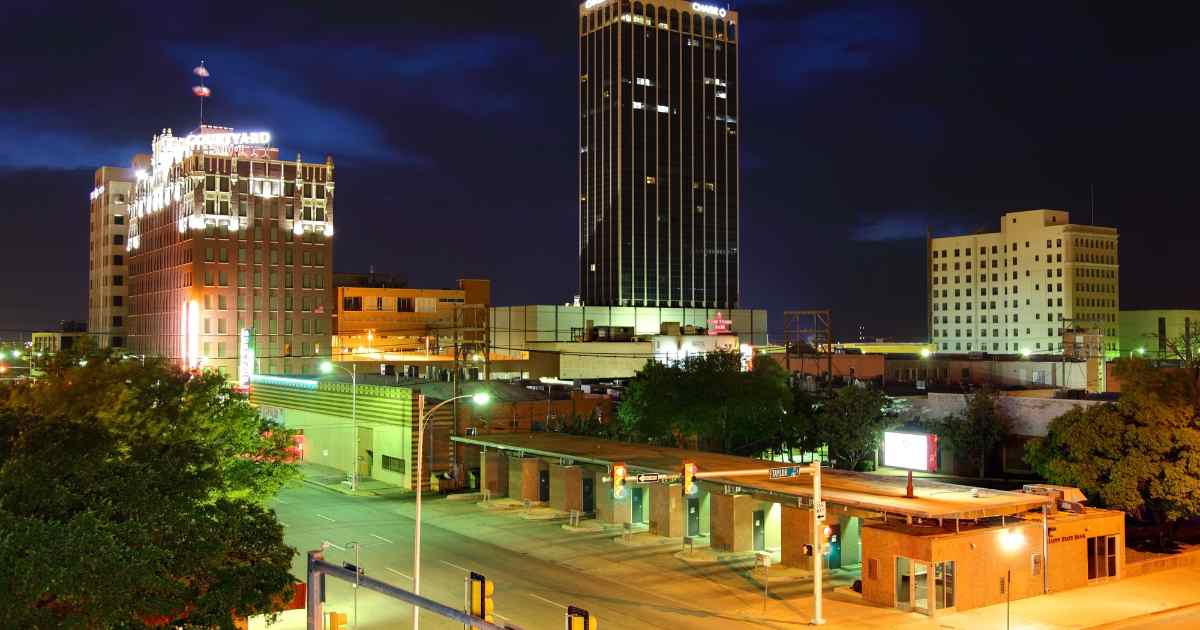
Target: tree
{"points": [[800, 427], [709, 398], [852, 424], [1140, 455], [977, 430], [131, 496]]}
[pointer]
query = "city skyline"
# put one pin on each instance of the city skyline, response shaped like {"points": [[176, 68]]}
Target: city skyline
{"points": [[869, 128]]}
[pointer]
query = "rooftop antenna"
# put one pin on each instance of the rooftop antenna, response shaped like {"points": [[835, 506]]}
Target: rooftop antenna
{"points": [[1092, 189], [201, 90]]}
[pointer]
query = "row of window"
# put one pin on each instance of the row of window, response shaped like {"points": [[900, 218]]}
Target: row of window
{"points": [[958, 332], [1050, 273], [958, 319], [307, 258], [314, 280], [308, 326], [1008, 347], [983, 306]]}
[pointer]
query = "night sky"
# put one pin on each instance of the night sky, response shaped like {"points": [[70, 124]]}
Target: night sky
{"points": [[453, 126]]}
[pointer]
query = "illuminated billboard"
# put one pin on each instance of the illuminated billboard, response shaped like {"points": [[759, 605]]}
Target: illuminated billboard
{"points": [[913, 451]]}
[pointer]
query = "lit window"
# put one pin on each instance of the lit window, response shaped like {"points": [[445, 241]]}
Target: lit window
{"points": [[721, 95], [644, 81], [650, 179], [664, 109], [639, 105]]}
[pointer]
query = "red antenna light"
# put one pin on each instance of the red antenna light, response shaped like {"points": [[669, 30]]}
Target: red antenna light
{"points": [[201, 90]]}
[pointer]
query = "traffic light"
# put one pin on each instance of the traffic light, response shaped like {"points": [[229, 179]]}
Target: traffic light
{"points": [[580, 619], [689, 478], [480, 602], [619, 473]]}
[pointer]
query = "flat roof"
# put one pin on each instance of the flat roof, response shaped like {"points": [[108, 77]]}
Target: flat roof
{"points": [[862, 491]]}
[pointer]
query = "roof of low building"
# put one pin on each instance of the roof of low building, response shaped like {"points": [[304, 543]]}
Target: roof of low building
{"points": [[860, 491]]}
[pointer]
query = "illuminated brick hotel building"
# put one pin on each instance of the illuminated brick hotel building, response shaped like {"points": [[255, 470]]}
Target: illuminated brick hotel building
{"points": [[230, 254]]}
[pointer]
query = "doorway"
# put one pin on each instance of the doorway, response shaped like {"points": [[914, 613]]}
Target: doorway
{"points": [[693, 516], [913, 585], [588, 492], [637, 511], [760, 530], [544, 486]]}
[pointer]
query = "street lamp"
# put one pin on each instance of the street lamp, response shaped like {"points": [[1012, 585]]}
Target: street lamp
{"points": [[1010, 541], [480, 399], [1025, 353], [924, 353], [327, 367]]}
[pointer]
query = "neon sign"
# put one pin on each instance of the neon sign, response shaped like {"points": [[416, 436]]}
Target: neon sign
{"points": [[709, 9], [228, 139], [719, 325], [245, 357]]}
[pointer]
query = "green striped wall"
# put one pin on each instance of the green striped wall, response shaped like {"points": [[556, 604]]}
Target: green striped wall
{"points": [[385, 405]]}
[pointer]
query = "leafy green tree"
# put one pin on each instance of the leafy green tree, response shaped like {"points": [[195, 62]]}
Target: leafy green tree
{"points": [[1140, 454], [852, 424], [800, 428], [131, 495], [708, 398], [977, 430]]}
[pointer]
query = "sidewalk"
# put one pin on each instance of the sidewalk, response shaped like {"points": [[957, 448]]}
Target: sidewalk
{"points": [[333, 479]]}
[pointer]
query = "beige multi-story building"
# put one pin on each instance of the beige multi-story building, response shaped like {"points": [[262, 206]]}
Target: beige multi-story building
{"points": [[230, 253], [109, 221], [1019, 289]]}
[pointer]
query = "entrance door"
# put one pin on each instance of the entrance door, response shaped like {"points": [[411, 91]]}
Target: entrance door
{"points": [[760, 521], [693, 516], [921, 587], [637, 509], [544, 486], [835, 546], [588, 492], [903, 583]]}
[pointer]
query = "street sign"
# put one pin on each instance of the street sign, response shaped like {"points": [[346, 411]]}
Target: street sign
{"points": [[785, 472], [732, 490], [647, 477], [821, 511]]}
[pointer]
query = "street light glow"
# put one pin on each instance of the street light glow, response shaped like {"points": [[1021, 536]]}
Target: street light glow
{"points": [[481, 398], [1025, 352], [924, 353], [326, 367]]}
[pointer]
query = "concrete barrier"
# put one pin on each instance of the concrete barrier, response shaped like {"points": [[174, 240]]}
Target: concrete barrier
{"points": [[1165, 563]]}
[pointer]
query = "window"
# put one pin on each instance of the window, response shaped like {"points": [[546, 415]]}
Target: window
{"points": [[118, 259], [352, 304], [1102, 557], [117, 321], [118, 300], [118, 281], [872, 569], [118, 239]]}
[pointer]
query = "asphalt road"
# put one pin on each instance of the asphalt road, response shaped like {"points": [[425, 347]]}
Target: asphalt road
{"points": [[530, 593]]}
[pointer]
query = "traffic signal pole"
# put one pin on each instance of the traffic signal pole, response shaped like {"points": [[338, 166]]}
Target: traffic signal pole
{"points": [[317, 566]]}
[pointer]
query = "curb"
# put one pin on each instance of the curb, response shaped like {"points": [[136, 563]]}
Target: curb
{"points": [[1134, 622]]}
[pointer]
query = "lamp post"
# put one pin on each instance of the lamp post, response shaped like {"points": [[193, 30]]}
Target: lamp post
{"points": [[479, 398], [1010, 541], [327, 367]]}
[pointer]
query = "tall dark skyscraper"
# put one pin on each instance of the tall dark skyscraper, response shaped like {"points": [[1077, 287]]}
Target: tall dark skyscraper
{"points": [[659, 203]]}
